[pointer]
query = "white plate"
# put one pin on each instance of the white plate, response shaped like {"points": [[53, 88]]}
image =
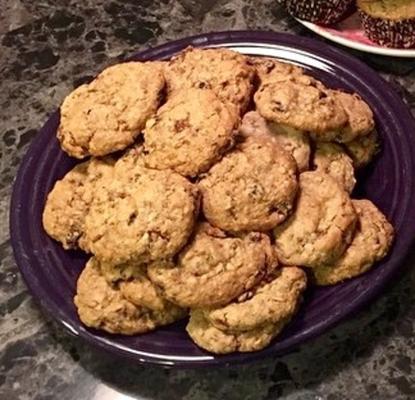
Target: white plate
{"points": [[350, 33]]}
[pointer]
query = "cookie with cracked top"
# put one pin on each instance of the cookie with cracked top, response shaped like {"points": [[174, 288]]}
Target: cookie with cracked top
{"points": [[224, 71], [214, 268], [190, 132], [371, 242], [68, 202], [252, 188], [332, 159], [107, 114], [101, 305], [274, 300], [292, 140], [322, 226]]}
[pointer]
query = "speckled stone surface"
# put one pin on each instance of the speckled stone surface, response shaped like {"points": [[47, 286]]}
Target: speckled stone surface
{"points": [[48, 47]]}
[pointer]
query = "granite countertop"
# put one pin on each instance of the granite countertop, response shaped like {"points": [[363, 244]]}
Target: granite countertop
{"points": [[48, 47]]}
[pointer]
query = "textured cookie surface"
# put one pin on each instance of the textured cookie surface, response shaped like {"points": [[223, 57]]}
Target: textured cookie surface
{"points": [[212, 339], [270, 69], [251, 189], [68, 202], [359, 115], [141, 216], [301, 103], [363, 149], [322, 225], [190, 132], [107, 114], [331, 159], [273, 301], [213, 269], [226, 72], [371, 242], [102, 306], [292, 140]]}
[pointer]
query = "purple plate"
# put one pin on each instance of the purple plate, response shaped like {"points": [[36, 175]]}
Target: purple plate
{"points": [[51, 273]]}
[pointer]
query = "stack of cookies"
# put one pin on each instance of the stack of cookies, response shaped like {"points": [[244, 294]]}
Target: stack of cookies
{"points": [[215, 184]]}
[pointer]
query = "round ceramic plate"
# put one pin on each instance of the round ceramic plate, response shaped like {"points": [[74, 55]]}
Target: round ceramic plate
{"points": [[351, 34], [51, 272]]}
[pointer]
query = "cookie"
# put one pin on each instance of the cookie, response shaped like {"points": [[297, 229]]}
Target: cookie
{"points": [[190, 132], [102, 306], [213, 269], [269, 69], [371, 242], [363, 149], [134, 285], [292, 140], [141, 216], [107, 114], [272, 302], [322, 225], [360, 116], [212, 339], [68, 202], [251, 189], [114, 273], [301, 103], [224, 71], [331, 159]]}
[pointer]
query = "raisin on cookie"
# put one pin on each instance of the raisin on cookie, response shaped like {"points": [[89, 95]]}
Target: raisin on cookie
{"points": [[322, 225], [107, 114]]}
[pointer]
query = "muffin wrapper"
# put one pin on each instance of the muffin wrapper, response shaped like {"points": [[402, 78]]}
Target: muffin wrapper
{"points": [[324, 12], [389, 33]]}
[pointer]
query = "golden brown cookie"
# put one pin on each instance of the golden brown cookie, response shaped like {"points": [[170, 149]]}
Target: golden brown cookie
{"points": [[371, 242], [212, 339], [102, 306], [107, 114], [251, 189], [273, 301], [142, 216], [363, 149], [190, 132], [224, 71], [302, 103], [213, 269], [68, 202], [322, 225], [360, 116], [131, 278], [331, 159], [270, 69], [292, 140]]}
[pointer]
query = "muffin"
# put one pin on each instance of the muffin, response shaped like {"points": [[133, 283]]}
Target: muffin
{"points": [[324, 12], [390, 23]]}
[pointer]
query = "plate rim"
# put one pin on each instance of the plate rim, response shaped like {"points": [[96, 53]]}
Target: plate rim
{"points": [[367, 48], [230, 37]]}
